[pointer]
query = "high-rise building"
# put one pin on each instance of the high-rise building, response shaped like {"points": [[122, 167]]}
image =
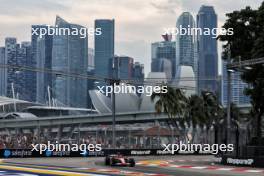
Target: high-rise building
{"points": [[162, 65], [11, 59], [70, 54], [90, 59], [90, 86], [24, 55], [44, 61], [207, 51], [138, 73], [90, 72], [185, 47], [104, 46], [237, 88], [16, 81], [33, 62], [123, 67], [161, 52], [2, 72]]}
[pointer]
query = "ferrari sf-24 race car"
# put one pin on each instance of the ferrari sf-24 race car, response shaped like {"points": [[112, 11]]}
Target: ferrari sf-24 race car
{"points": [[119, 160]]}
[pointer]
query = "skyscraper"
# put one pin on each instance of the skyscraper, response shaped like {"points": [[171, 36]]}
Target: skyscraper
{"points": [[15, 80], [207, 51], [164, 52], [90, 59], [185, 43], [44, 61], [70, 54], [123, 67], [104, 46], [162, 65], [33, 61], [2, 72], [24, 56], [138, 73], [237, 88], [10, 59]]}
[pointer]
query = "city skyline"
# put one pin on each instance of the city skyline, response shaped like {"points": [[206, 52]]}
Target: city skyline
{"points": [[134, 35]]}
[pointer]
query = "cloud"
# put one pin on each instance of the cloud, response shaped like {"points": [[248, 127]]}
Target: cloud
{"points": [[29, 7], [138, 22], [163, 8]]}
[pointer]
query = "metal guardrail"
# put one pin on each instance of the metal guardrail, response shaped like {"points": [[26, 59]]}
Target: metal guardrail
{"points": [[245, 63]]}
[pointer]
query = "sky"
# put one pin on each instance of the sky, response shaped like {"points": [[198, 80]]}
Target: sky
{"points": [[138, 23]]}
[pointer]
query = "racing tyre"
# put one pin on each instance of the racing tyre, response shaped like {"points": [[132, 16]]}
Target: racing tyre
{"points": [[112, 162], [132, 162], [107, 161]]}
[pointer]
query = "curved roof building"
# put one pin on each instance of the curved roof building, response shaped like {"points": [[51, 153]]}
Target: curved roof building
{"points": [[185, 79], [125, 102], [128, 102], [11, 105]]}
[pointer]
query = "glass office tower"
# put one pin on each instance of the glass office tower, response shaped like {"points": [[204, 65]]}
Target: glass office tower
{"points": [[164, 53], [104, 47], [207, 51], [44, 61], [186, 48], [70, 54]]}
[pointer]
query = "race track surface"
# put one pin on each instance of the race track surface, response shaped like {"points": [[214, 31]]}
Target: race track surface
{"points": [[180, 165]]}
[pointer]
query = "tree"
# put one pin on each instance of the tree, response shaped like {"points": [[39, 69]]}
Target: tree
{"points": [[235, 112], [247, 43], [195, 114], [195, 111], [172, 103]]}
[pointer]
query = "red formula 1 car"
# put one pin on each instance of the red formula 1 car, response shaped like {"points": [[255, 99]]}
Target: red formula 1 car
{"points": [[119, 160]]}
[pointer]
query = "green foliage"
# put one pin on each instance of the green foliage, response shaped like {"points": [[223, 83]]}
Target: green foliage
{"points": [[204, 109], [198, 110], [172, 103], [248, 43]]}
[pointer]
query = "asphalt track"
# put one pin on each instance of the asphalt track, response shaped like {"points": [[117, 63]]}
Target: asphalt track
{"points": [[151, 165]]}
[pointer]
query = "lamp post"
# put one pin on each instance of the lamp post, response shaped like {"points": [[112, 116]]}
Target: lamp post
{"points": [[228, 118], [240, 66], [113, 82], [114, 117], [229, 98]]}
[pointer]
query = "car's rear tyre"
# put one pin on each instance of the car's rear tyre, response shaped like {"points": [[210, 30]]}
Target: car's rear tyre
{"points": [[112, 162], [132, 162], [107, 161]]}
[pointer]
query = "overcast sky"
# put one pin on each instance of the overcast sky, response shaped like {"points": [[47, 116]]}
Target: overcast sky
{"points": [[138, 23]]}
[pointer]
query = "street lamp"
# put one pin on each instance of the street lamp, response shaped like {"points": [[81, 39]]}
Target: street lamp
{"points": [[229, 97], [230, 70], [113, 82]]}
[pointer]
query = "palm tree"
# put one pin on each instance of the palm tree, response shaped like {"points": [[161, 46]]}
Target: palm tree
{"points": [[202, 111], [195, 110], [194, 114], [173, 103], [214, 110]]}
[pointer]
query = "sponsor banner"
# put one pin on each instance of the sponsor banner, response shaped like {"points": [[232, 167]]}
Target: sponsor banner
{"points": [[28, 153], [256, 161]]}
